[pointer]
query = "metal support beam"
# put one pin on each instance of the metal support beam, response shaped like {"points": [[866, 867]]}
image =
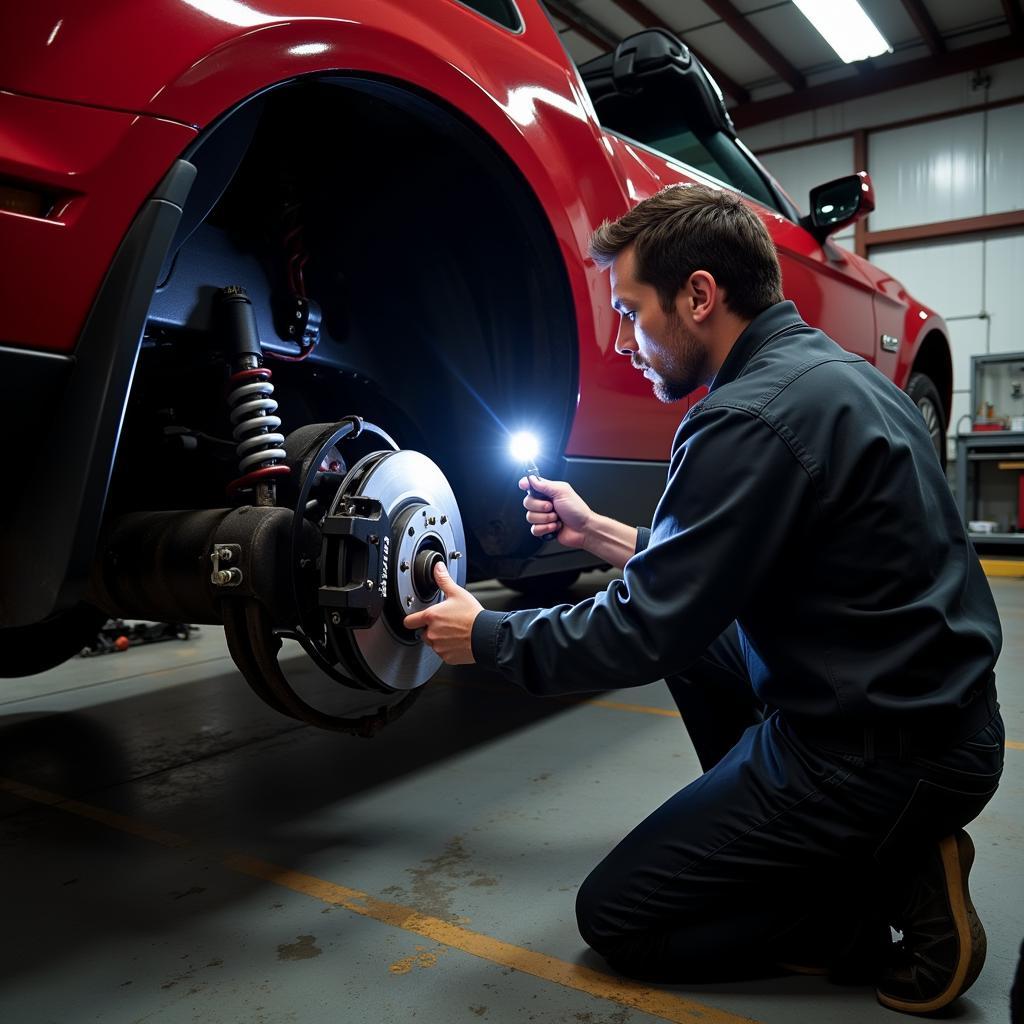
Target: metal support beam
{"points": [[649, 19], [946, 228], [923, 20], [894, 77], [757, 42], [583, 24], [1011, 8], [860, 163]]}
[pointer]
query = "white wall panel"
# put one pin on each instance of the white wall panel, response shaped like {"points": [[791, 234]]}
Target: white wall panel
{"points": [[1004, 292], [1004, 166], [967, 338], [944, 275], [928, 172], [799, 170]]}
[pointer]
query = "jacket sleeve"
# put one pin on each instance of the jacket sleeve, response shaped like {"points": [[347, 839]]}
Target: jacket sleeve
{"points": [[739, 493]]}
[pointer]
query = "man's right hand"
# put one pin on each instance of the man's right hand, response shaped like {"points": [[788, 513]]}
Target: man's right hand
{"points": [[565, 507]]}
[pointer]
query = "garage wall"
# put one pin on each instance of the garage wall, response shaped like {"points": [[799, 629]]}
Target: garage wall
{"points": [[955, 167]]}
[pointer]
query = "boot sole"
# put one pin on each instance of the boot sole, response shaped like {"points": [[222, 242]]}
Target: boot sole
{"points": [[957, 853]]}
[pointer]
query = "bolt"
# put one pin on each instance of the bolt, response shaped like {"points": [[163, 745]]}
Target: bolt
{"points": [[455, 556], [432, 520], [404, 566], [369, 584], [224, 554], [226, 577], [374, 539], [335, 619], [412, 532], [408, 602], [424, 513]]}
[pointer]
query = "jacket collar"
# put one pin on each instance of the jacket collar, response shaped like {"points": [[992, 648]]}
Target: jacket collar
{"points": [[768, 324]]}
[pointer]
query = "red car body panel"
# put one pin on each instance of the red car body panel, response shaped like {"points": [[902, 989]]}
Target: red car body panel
{"points": [[102, 97]]}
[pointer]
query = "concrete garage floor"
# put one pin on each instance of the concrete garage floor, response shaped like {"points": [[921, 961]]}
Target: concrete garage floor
{"points": [[171, 850]]}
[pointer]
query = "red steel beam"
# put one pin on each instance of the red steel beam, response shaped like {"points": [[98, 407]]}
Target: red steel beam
{"points": [[757, 42], [946, 228], [894, 77], [649, 19], [923, 20], [860, 163]]}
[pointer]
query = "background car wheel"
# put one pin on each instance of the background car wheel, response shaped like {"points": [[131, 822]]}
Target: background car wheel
{"points": [[925, 394], [26, 650], [543, 587]]}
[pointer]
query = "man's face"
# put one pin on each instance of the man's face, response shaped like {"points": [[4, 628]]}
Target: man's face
{"points": [[659, 343]]}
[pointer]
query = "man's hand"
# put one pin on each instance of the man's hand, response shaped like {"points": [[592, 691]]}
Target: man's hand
{"points": [[565, 505], [447, 627]]}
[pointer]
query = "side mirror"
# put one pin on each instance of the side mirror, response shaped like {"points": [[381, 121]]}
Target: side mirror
{"points": [[839, 203]]}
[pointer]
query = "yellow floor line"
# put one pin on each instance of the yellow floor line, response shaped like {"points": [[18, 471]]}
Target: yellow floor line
{"points": [[1003, 566], [640, 709], [656, 1002]]}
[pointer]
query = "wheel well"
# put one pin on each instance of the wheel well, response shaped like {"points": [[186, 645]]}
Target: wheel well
{"points": [[934, 360], [444, 292]]}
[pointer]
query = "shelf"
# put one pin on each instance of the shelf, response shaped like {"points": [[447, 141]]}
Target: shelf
{"points": [[996, 538]]}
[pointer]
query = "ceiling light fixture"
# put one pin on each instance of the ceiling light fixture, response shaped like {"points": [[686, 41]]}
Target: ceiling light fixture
{"points": [[845, 27]]}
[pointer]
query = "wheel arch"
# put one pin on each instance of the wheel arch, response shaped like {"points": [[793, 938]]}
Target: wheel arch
{"points": [[472, 332], [933, 358]]}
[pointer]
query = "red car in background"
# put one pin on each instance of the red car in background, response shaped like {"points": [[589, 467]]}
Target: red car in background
{"points": [[229, 229]]}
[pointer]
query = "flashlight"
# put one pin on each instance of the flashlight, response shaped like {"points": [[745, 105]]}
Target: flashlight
{"points": [[524, 447]]}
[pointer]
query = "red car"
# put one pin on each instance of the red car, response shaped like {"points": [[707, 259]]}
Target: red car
{"points": [[325, 256]]}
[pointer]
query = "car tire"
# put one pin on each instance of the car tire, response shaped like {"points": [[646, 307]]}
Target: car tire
{"points": [[26, 650], [541, 588], [925, 395]]}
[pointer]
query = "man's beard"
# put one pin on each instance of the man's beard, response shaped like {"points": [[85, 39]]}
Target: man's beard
{"points": [[687, 368]]}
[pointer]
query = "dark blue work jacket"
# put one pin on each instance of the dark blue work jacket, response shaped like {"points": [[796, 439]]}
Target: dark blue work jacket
{"points": [[805, 502]]}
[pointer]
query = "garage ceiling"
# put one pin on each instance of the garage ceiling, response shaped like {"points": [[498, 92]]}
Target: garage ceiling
{"points": [[770, 62]]}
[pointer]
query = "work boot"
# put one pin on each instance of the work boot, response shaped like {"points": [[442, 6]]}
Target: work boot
{"points": [[943, 946]]}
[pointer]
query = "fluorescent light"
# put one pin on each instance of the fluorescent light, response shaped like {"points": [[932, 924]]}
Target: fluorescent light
{"points": [[845, 27]]}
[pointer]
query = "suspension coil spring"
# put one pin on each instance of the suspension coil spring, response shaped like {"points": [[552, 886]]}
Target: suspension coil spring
{"points": [[259, 445]]}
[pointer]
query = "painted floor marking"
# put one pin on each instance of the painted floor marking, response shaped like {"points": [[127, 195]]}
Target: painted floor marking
{"points": [[656, 1002], [1010, 567]]}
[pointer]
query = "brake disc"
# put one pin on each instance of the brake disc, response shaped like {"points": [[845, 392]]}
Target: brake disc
{"points": [[393, 519]]}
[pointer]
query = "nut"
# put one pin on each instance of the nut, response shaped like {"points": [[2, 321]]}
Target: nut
{"points": [[335, 619]]}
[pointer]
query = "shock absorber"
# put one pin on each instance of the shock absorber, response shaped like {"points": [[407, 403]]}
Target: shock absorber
{"points": [[258, 443]]}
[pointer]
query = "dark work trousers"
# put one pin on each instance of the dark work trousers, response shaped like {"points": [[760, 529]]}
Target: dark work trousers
{"points": [[782, 850]]}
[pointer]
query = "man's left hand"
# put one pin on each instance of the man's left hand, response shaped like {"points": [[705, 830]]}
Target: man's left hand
{"points": [[447, 627]]}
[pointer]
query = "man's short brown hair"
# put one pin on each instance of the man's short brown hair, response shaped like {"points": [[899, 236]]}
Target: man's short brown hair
{"points": [[684, 228]]}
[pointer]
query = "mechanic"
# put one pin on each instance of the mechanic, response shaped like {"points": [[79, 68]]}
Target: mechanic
{"points": [[808, 592]]}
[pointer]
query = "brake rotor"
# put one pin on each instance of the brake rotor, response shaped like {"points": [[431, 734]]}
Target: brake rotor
{"points": [[393, 519]]}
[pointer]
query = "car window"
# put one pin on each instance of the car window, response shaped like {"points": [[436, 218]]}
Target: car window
{"points": [[712, 153], [504, 12]]}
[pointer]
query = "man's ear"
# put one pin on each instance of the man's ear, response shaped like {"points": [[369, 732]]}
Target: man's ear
{"points": [[702, 295]]}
